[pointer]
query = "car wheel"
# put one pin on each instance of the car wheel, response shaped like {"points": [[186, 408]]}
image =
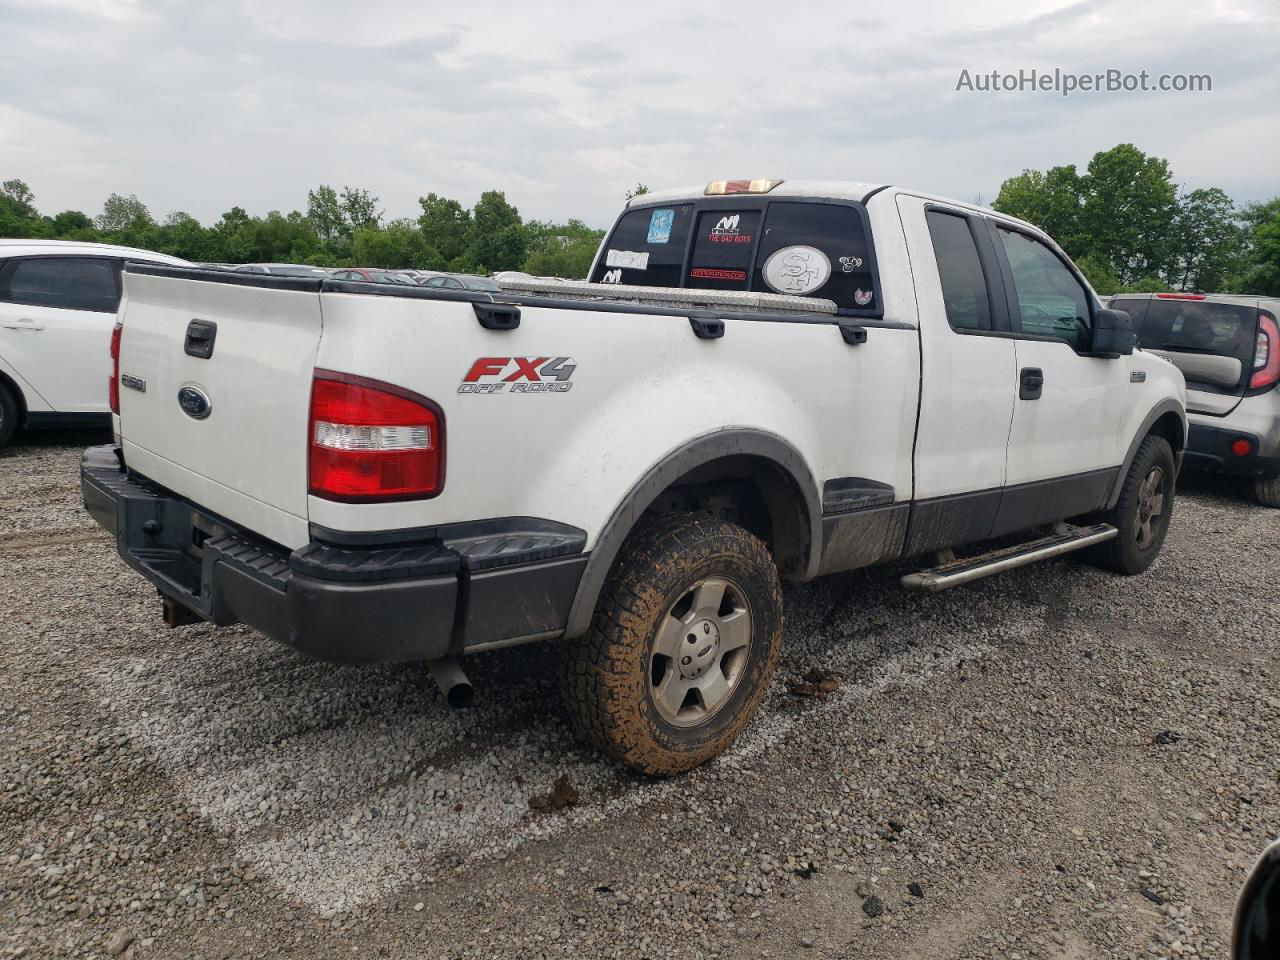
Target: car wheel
{"points": [[1267, 491], [681, 648], [9, 414], [1142, 513]]}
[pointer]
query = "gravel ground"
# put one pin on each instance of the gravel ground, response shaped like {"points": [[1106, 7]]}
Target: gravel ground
{"points": [[1052, 763]]}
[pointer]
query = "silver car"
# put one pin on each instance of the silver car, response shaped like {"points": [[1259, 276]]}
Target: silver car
{"points": [[1228, 348]]}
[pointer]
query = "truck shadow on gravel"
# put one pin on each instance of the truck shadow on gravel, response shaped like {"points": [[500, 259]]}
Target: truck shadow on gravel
{"points": [[342, 782]]}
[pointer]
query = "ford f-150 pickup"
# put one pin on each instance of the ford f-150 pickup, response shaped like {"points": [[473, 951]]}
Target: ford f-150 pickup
{"points": [[761, 380]]}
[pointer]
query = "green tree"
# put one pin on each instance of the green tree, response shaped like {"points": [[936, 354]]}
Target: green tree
{"points": [[72, 224], [1208, 242], [496, 240], [639, 190], [359, 209], [398, 245], [1130, 203], [18, 216], [445, 225], [560, 250], [324, 210], [1052, 200], [121, 214], [1260, 273]]}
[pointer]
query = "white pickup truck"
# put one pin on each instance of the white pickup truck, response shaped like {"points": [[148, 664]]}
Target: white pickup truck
{"points": [[764, 380]]}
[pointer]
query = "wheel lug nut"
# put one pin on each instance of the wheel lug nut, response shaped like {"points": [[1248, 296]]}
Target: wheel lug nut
{"points": [[706, 628]]}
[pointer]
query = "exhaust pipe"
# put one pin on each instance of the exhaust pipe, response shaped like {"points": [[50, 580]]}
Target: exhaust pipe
{"points": [[453, 683]]}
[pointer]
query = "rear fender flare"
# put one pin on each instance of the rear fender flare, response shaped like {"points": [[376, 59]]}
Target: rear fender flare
{"points": [[696, 452]]}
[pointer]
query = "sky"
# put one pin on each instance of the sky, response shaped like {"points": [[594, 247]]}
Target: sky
{"points": [[201, 106]]}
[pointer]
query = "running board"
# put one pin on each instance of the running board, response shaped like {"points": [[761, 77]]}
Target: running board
{"points": [[956, 572]]}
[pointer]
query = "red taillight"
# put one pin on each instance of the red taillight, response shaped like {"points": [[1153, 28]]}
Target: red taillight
{"points": [[1241, 447], [1181, 296], [1266, 355], [373, 442], [113, 386]]}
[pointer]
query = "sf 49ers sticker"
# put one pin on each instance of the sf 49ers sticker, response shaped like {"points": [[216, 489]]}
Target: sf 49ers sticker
{"points": [[519, 375]]}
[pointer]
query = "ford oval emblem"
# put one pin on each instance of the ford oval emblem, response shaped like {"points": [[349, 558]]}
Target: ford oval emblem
{"points": [[195, 403]]}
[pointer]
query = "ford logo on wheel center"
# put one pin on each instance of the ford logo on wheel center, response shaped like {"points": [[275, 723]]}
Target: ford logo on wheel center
{"points": [[195, 403]]}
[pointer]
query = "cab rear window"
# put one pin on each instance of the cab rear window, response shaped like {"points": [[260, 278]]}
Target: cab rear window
{"points": [[795, 247], [647, 247]]}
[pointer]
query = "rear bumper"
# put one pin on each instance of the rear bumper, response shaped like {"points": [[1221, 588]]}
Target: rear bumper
{"points": [[469, 587], [1209, 448]]}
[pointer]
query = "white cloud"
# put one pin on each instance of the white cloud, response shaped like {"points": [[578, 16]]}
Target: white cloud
{"points": [[199, 106]]}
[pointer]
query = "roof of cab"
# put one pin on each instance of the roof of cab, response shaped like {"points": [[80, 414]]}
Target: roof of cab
{"points": [[855, 190], [28, 247]]}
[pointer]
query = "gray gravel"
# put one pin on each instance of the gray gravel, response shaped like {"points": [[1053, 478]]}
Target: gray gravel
{"points": [[1055, 763]]}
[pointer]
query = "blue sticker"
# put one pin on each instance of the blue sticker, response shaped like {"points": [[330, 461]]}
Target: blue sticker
{"points": [[660, 224]]}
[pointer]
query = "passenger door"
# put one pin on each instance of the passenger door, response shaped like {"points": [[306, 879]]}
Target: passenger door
{"points": [[968, 377], [1064, 443], [56, 315]]}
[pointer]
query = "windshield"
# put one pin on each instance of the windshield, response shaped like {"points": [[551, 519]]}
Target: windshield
{"points": [[481, 283], [796, 247]]}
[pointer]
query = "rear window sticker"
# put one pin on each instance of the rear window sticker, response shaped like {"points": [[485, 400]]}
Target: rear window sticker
{"points": [[660, 224], [850, 264], [797, 270], [717, 273], [862, 297], [727, 230], [612, 276], [628, 259]]}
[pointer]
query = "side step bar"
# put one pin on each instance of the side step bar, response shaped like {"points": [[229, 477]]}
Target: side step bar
{"points": [[1064, 539]]}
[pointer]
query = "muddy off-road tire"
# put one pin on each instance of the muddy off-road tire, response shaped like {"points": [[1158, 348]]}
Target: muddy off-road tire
{"points": [[681, 648], [1142, 513], [1267, 492]]}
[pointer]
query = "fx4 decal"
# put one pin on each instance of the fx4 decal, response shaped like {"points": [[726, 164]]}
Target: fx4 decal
{"points": [[519, 375]]}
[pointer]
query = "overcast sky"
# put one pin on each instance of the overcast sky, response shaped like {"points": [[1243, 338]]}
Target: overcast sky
{"points": [[199, 106]]}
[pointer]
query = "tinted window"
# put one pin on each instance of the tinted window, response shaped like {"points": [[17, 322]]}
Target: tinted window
{"points": [[1051, 301], [818, 250], [70, 283], [964, 285], [647, 247], [722, 247], [1135, 307], [1195, 326]]}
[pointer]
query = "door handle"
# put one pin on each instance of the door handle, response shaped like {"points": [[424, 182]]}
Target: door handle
{"points": [[22, 323], [1030, 383]]}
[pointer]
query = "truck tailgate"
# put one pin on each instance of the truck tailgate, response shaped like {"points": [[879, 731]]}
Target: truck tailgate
{"points": [[238, 445]]}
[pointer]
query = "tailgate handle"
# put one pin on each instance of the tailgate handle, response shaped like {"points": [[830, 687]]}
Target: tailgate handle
{"points": [[706, 329], [853, 333], [200, 337], [497, 316]]}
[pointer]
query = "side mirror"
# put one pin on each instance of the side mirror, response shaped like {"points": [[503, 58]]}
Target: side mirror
{"points": [[1256, 932], [1113, 334]]}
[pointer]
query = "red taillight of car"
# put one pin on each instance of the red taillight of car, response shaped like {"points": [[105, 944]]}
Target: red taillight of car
{"points": [[1181, 296], [113, 386], [1241, 447], [1266, 355], [372, 442]]}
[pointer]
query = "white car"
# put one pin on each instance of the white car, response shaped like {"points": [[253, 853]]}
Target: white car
{"points": [[777, 381], [58, 304]]}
